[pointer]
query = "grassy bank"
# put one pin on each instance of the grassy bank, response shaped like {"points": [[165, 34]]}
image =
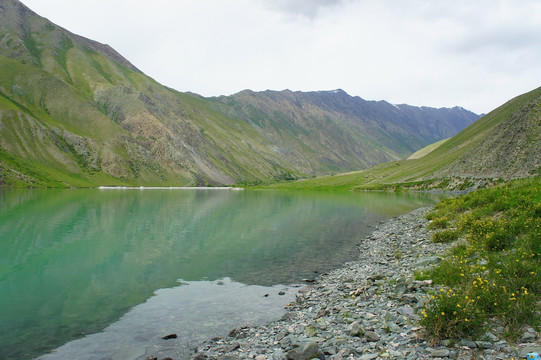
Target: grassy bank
{"points": [[492, 275]]}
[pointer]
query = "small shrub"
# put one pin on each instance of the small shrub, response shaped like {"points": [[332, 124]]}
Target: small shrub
{"points": [[445, 236], [451, 315], [439, 223]]}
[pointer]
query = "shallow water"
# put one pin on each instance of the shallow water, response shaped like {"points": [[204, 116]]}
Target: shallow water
{"points": [[108, 262]]}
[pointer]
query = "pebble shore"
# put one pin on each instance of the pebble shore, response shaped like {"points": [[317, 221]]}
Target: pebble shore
{"points": [[368, 309]]}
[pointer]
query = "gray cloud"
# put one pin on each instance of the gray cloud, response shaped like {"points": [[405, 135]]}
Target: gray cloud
{"points": [[309, 9]]}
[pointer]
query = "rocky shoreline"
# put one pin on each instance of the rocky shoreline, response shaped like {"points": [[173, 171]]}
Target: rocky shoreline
{"points": [[365, 310]]}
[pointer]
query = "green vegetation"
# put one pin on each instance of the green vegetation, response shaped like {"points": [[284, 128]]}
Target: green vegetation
{"points": [[481, 155], [427, 149], [79, 114], [492, 274]]}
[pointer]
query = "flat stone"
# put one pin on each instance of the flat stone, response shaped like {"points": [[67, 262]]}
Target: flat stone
{"points": [[282, 334], [316, 339], [305, 351], [409, 299], [484, 344], [440, 353], [371, 336], [468, 343], [234, 346], [368, 356], [395, 328], [527, 338], [405, 310], [431, 260]]}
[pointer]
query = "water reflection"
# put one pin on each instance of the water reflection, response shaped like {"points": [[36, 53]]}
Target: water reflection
{"points": [[74, 261], [196, 311]]}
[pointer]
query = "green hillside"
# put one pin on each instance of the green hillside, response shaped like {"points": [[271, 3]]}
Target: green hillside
{"points": [[505, 144], [427, 149], [74, 112]]}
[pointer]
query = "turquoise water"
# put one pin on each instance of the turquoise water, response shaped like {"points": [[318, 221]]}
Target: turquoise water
{"points": [[73, 262]]}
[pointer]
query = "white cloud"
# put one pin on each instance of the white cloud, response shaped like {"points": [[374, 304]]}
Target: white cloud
{"points": [[476, 54]]}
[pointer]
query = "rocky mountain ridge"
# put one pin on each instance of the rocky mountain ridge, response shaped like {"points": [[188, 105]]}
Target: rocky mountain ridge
{"points": [[74, 112], [503, 145]]}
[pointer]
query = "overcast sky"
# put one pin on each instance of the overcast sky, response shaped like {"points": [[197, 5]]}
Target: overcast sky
{"points": [[471, 53]]}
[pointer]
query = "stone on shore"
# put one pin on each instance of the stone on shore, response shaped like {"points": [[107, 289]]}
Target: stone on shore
{"points": [[304, 351]]}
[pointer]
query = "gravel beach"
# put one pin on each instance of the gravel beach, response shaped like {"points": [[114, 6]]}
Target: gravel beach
{"points": [[367, 309]]}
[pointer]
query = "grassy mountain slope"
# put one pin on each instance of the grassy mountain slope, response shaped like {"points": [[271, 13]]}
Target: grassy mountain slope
{"points": [[426, 150], [74, 112], [340, 131], [504, 144]]}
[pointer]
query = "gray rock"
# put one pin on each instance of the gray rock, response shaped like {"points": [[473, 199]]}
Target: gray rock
{"points": [[409, 299], [405, 310], [432, 260], [468, 343], [394, 328], [439, 353], [278, 355], [282, 334], [290, 315], [528, 337], [490, 336], [322, 312], [355, 329], [237, 333], [369, 356], [484, 344], [371, 336], [446, 342], [305, 351], [310, 331]]}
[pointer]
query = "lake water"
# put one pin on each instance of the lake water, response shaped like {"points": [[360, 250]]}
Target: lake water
{"points": [[105, 274]]}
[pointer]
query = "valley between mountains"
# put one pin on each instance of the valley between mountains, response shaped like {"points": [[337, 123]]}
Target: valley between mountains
{"points": [[75, 113]]}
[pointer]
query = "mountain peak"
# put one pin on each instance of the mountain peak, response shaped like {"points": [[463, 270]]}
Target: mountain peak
{"points": [[18, 21], [331, 92]]}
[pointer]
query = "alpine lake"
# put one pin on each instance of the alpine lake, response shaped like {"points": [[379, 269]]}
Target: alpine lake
{"points": [[107, 273]]}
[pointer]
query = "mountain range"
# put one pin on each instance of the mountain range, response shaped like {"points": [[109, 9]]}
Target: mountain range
{"points": [[504, 144], [74, 112]]}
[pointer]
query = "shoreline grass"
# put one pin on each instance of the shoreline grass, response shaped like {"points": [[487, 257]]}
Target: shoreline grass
{"points": [[491, 278]]}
